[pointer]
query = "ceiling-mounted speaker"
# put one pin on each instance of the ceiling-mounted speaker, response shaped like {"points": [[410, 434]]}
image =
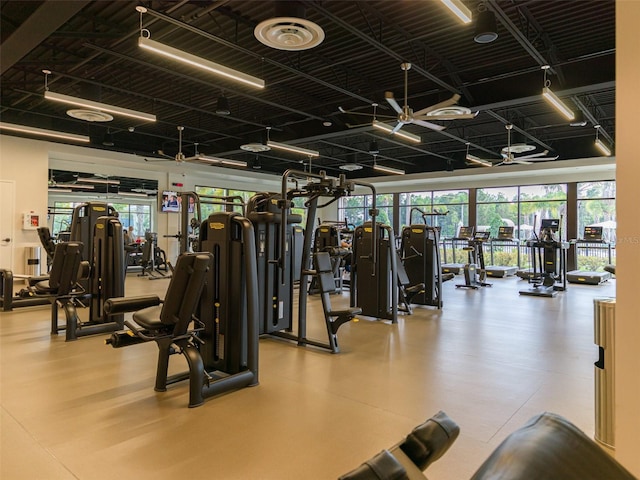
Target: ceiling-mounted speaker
{"points": [[486, 28], [222, 107], [107, 140], [579, 120]]}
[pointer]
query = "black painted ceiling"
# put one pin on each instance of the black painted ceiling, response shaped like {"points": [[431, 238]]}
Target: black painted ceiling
{"points": [[91, 49]]}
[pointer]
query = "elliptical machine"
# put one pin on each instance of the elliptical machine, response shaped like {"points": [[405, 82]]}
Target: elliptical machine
{"points": [[474, 271]]}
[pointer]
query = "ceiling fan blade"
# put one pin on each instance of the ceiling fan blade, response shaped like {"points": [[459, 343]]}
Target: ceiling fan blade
{"points": [[534, 155], [392, 101], [351, 112], [430, 125], [397, 127], [460, 116], [521, 162], [446, 103], [351, 125], [501, 163], [542, 159]]}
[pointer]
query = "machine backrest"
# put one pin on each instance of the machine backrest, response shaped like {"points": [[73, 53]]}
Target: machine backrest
{"points": [[324, 272], [47, 241], [64, 270], [185, 288]]}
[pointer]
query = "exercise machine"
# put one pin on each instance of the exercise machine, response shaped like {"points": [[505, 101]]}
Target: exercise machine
{"points": [[461, 240], [504, 241], [374, 286], [591, 241], [191, 217], [83, 219], [548, 256], [329, 237], [311, 187], [209, 314], [420, 255], [153, 260], [474, 271], [275, 295], [106, 276], [547, 446]]}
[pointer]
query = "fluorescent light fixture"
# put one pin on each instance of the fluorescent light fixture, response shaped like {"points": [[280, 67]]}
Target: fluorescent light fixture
{"points": [[101, 181], [222, 161], [602, 147], [60, 190], [132, 194], [81, 102], [195, 61], [459, 9], [479, 161], [556, 102], [73, 185], [382, 168], [294, 149], [42, 132], [400, 133]]}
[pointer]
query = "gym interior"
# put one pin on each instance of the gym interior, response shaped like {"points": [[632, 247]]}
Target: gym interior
{"points": [[478, 347]]}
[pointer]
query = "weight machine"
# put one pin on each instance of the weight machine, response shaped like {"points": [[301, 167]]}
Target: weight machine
{"points": [[420, 254], [317, 186], [209, 314]]}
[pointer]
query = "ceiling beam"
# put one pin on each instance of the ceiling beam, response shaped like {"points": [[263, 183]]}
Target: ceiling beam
{"points": [[34, 30], [383, 48]]}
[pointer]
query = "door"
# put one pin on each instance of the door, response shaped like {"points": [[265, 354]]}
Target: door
{"points": [[7, 207]]}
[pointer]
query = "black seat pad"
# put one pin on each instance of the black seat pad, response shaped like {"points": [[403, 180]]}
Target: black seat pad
{"points": [[149, 318], [351, 312], [415, 288], [44, 287]]}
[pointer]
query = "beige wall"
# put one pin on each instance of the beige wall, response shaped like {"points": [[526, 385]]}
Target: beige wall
{"points": [[25, 163], [627, 336]]}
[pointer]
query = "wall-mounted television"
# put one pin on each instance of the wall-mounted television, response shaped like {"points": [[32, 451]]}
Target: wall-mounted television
{"points": [[170, 201]]}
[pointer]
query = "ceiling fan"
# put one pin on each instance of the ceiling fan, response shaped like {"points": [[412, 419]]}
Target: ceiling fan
{"points": [[508, 157], [445, 110]]}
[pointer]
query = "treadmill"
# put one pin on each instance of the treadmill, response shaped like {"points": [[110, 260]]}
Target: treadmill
{"points": [[592, 238], [504, 239], [465, 235]]}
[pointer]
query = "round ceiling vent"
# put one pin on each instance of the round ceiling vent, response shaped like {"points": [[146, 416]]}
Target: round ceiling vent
{"points": [[447, 111], [289, 33], [519, 148], [351, 167], [89, 115], [255, 147]]}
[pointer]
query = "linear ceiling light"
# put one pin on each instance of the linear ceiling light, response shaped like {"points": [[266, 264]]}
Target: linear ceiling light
{"points": [[60, 190], [195, 61], [73, 185], [400, 133], [103, 107], [600, 145], [101, 181], [459, 9], [553, 99], [479, 161], [45, 133], [222, 161], [292, 148], [382, 168], [132, 194]]}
